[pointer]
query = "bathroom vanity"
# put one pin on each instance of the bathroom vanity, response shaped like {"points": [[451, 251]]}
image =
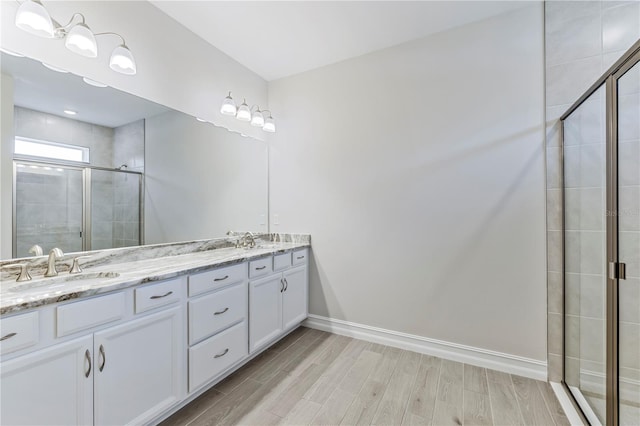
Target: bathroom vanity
{"points": [[133, 341]]}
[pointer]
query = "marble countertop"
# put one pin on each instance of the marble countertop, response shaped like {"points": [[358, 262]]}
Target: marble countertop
{"points": [[15, 297]]}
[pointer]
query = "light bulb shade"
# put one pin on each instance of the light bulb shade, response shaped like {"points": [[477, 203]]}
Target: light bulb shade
{"points": [[33, 18], [228, 106], [269, 125], [81, 40], [244, 113], [122, 60], [257, 119]]}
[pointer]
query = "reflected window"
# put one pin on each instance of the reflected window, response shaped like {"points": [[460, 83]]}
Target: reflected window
{"points": [[51, 150]]}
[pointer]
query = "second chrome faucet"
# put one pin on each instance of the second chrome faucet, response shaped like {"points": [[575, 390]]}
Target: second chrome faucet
{"points": [[51, 262]]}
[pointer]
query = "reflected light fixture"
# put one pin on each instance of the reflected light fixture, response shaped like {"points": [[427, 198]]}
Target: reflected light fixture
{"points": [[52, 68], [228, 106], [244, 113], [69, 112], [34, 18], [93, 82], [9, 52]]}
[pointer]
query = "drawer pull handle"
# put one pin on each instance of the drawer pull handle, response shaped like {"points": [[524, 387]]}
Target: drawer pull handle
{"points": [[222, 354], [281, 285], [8, 336], [261, 268], [104, 358], [286, 284], [87, 355], [221, 279], [164, 295], [300, 257], [221, 312]]}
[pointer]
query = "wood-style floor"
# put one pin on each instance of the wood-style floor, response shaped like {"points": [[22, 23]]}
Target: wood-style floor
{"points": [[312, 377]]}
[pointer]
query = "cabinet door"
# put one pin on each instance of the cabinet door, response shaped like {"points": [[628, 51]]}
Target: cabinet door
{"points": [[265, 311], [295, 297], [138, 368], [53, 386]]}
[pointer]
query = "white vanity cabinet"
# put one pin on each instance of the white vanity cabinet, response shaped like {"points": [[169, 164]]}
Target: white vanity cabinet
{"points": [[50, 386], [98, 362], [137, 370], [279, 301]]}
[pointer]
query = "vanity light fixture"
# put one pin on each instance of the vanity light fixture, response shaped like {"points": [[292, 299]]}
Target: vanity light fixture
{"points": [[34, 18], [244, 113], [269, 123], [228, 106], [257, 119]]}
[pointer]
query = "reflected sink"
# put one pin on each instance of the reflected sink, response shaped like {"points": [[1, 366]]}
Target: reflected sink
{"points": [[63, 280]]}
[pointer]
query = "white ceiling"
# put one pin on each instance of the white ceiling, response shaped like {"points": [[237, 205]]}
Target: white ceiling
{"points": [[276, 39], [40, 89]]}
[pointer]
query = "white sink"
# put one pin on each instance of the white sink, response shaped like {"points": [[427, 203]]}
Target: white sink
{"points": [[63, 280]]}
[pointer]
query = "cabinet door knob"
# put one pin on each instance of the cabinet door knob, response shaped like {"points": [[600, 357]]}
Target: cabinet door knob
{"points": [[221, 312], [222, 354], [104, 358], [221, 279], [164, 295], [8, 336], [87, 355]]}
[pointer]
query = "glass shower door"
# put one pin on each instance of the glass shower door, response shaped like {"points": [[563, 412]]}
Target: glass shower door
{"points": [[115, 209], [628, 215], [48, 207], [585, 255]]}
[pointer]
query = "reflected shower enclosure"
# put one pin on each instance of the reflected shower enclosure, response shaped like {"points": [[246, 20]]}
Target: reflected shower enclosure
{"points": [[75, 208], [601, 192]]}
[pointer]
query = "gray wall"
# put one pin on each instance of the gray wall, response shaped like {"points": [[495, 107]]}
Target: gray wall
{"points": [[419, 172], [201, 181], [6, 165]]}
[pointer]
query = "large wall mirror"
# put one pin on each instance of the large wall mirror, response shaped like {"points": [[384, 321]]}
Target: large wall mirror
{"points": [[97, 168]]}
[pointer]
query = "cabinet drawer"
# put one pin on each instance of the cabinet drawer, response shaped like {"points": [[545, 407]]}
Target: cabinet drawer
{"points": [[19, 332], [90, 313], [153, 296], [211, 357], [260, 267], [281, 261], [300, 256], [217, 311], [211, 280]]}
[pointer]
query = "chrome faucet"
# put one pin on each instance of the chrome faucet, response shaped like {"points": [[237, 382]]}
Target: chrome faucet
{"points": [[247, 240], [51, 263], [36, 250]]}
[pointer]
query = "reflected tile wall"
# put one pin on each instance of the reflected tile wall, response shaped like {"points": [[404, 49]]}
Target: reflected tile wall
{"points": [[583, 39]]}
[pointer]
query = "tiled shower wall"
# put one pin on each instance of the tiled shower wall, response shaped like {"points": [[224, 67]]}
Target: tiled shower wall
{"points": [[583, 39], [115, 201]]}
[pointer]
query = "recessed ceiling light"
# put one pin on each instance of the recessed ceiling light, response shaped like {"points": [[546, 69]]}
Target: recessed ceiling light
{"points": [[56, 69], [8, 52], [69, 112], [93, 82]]}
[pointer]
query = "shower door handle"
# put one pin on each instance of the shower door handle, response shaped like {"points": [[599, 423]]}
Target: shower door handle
{"points": [[617, 271]]}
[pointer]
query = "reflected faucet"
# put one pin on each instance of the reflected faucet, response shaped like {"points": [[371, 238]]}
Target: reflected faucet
{"points": [[51, 263], [36, 250], [248, 240]]}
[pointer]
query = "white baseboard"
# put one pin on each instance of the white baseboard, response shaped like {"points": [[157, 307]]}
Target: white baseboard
{"points": [[507, 363]]}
